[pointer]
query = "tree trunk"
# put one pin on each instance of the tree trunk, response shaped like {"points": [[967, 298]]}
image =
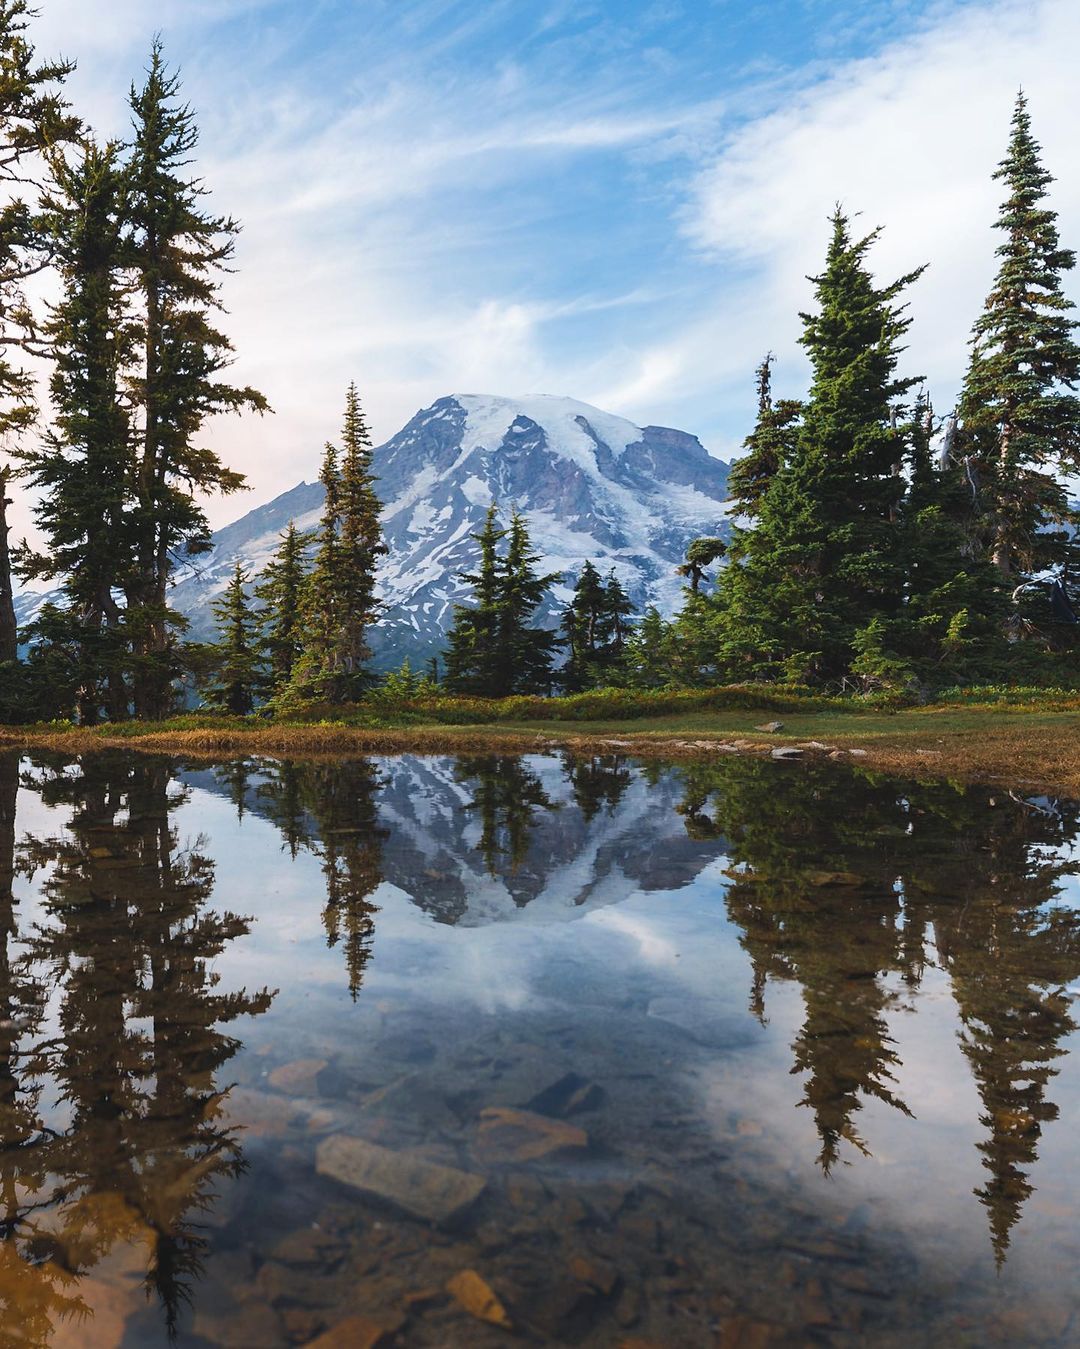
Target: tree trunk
{"points": [[9, 637]]}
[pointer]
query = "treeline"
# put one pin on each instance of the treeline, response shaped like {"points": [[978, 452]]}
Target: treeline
{"points": [[872, 544], [877, 545]]}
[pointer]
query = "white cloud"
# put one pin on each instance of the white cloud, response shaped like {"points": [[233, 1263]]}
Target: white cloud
{"points": [[909, 139], [407, 229]]}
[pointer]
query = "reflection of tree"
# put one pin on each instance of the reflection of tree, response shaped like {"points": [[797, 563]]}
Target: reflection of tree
{"points": [[505, 795], [129, 942], [597, 781], [813, 890], [1010, 952], [839, 881], [330, 809], [35, 1292]]}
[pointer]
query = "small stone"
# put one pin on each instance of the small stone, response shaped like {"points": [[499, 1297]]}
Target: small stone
{"points": [[254, 1323], [521, 1136], [859, 753], [787, 752], [597, 1274], [355, 1332], [771, 727], [298, 1077], [478, 1298], [421, 1188], [422, 1297]]}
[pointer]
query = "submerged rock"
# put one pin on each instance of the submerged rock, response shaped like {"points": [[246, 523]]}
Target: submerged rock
{"points": [[478, 1298], [421, 1188], [520, 1136]]}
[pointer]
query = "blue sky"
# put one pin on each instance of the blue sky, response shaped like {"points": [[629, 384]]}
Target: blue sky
{"points": [[614, 201]]}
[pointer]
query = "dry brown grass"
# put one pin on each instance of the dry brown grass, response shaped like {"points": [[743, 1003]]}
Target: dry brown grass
{"points": [[1025, 748]]}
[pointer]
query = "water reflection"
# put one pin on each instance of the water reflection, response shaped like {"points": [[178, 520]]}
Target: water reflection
{"points": [[852, 893], [839, 882], [130, 1048]]}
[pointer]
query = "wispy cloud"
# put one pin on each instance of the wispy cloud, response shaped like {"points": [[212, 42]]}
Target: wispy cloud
{"points": [[615, 202]]}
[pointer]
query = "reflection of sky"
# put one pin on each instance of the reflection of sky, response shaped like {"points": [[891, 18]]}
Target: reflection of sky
{"points": [[668, 956]]}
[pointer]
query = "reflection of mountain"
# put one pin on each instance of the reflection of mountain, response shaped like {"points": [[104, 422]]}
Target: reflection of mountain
{"points": [[481, 839], [851, 887], [132, 1047]]}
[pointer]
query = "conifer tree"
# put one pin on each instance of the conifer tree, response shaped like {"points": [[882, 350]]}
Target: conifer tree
{"points": [[279, 591], [1020, 415], [584, 628], [339, 602], [822, 558], [179, 252], [493, 648], [361, 543], [525, 653], [619, 607], [238, 674], [767, 448], [595, 628], [82, 465], [34, 118], [472, 655], [647, 660]]}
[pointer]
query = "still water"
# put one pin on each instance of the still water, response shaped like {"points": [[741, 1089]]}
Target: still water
{"points": [[568, 1051]]}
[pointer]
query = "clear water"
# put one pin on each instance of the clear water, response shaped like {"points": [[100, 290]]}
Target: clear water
{"points": [[740, 1055]]}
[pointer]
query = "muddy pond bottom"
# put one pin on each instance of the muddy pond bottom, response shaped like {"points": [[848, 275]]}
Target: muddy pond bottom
{"points": [[543, 1050]]}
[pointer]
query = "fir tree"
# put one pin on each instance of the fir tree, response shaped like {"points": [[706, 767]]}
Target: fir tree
{"points": [[595, 628], [279, 591], [238, 676], [493, 648], [767, 448], [82, 466], [472, 654], [361, 543], [339, 602], [525, 653], [822, 558], [1020, 417], [179, 253], [584, 628]]}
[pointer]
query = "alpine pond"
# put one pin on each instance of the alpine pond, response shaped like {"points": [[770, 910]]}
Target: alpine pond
{"points": [[550, 1050]]}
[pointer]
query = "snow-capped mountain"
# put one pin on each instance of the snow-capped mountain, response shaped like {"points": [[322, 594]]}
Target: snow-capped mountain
{"points": [[592, 485]]}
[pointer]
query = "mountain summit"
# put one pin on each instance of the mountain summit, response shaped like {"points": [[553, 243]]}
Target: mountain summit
{"points": [[592, 485]]}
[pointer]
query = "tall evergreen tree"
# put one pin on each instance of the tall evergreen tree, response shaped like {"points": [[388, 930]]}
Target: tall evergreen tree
{"points": [[33, 118], [238, 674], [339, 604], [279, 591], [82, 465], [822, 559], [361, 542], [1020, 415], [179, 253]]}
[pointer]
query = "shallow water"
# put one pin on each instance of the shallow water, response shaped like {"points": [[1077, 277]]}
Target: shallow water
{"points": [[745, 1054]]}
